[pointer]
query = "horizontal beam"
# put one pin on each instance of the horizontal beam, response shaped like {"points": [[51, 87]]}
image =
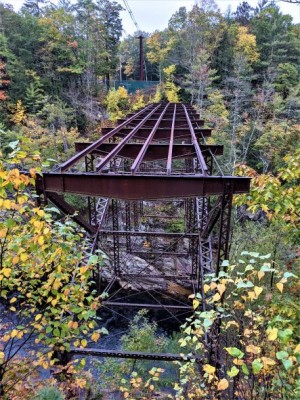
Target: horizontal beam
{"points": [[165, 123], [149, 234], [137, 355], [164, 133], [146, 305], [140, 276], [142, 187], [155, 151]]}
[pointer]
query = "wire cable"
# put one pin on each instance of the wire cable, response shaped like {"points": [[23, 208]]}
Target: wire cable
{"points": [[131, 14]]}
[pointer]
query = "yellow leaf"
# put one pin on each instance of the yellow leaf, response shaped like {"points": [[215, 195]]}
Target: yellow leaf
{"points": [[5, 338], [231, 323], [216, 297], [126, 395], [251, 295], [56, 284], [221, 288], [206, 288], [20, 334], [195, 304], [54, 302], [83, 343], [6, 272], [213, 285], [209, 369], [24, 257], [40, 213], [13, 300], [2, 355], [13, 333], [253, 349], [272, 334], [41, 240], [268, 361], [83, 270], [258, 290], [15, 260], [3, 233], [223, 384], [297, 349], [237, 361], [7, 204], [95, 336], [260, 274], [39, 316], [279, 286]]}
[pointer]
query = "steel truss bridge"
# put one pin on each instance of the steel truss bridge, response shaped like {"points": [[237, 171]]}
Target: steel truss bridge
{"points": [[153, 170]]}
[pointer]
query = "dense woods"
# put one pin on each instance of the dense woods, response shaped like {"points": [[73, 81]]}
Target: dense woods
{"points": [[58, 67]]}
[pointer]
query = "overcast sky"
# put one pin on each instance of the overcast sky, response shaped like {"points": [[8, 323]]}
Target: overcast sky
{"points": [[155, 14]]}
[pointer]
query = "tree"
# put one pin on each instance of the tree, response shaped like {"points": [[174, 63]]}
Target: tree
{"points": [[287, 78], [45, 280], [159, 46], [277, 195], [244, 13], [171, 90]]}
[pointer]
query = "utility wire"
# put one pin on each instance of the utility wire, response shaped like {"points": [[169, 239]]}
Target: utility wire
{"points": [[131, 14]]}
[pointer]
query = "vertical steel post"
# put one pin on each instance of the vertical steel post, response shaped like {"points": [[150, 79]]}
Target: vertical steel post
{"points": [[141, 78], [136, 216], [128, 226], [116, 244], [224, 227], [89, 167]]}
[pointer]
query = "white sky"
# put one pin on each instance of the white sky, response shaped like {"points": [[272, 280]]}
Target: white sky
{"points": [[155, 14]]}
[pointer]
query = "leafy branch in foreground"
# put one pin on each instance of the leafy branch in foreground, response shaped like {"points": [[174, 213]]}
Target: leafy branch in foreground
{"points": [[249, 345], [45, 282]]}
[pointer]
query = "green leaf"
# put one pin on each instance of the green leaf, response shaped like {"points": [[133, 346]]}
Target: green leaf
{"points": [[207, 323], [285, 334], [287, 364], [233, 372], [265, 257], [243, 284], [280, 355], [266, 268], [256, 366], [93, 259], [289, 275], [234, 352], [253, 254], [245, 369]]}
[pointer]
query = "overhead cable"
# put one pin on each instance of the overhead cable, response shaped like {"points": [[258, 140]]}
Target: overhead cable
{"points": [[131, 14]]}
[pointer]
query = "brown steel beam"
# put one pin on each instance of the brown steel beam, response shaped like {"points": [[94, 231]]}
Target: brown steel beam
{"points": [[149, 234], [196, 144], [67, 209], [144, 132], [165, 123], [161, 276], [146, 305], [120, 145], [154, 152], [67, 164], [171, 144], [137, 162], [142, 187]]}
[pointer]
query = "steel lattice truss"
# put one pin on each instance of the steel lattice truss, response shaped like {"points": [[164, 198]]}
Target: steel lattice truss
{"points": [[158, 205]]}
